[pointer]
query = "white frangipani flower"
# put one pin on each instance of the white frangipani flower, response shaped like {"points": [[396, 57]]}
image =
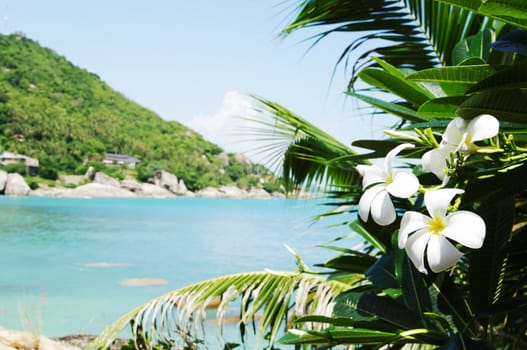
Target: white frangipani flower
{"points": [[459, 136], [422, 234], [380, 183]]}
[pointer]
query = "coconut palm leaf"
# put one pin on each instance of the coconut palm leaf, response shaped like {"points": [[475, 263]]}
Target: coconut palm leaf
{"points": [[304, 154], [273, 299], [413, 34]]}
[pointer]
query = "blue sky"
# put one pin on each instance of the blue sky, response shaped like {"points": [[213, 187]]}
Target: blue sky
{"points": [[195, 61]]}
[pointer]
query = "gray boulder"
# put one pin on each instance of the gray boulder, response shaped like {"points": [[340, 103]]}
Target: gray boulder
{"points": [[258, 193], [210, 192], [242, 158], [103, 179], [89, 173], [98, 190], [232, 192], [131, 185], [16, 185], [170, 182], [224, 158], [3, 180], [150, 190]]}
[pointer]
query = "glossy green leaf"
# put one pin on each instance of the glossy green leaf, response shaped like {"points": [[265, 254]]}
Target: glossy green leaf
{"points": [[511, 8], [415, 292], [506, 105], [340, 335], [357, 227], [382, 273], [441, 108], [350, 263], [395, 84], [513, 77], [508, 11], [381, 147], [368, 307], [456, 75], [388, 107], [475, 46], [486, 271]]}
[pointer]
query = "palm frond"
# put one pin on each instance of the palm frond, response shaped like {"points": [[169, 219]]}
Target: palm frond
{"points": [[271, 299], [304, 154], [414, 34]]}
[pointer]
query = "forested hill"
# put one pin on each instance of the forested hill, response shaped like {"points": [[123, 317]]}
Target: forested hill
{"points": [[68, 118]]}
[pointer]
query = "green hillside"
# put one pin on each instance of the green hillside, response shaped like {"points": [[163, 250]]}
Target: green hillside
{"points": [[68, 118]]}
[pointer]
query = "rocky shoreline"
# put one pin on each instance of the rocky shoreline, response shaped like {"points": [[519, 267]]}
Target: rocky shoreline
{"points": [[164, 185], [16, 340]]}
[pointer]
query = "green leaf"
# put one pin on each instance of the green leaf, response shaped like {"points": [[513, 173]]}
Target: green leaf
{"points": [[513, 77], [509, 11], [449, 300], [500, 8], [396, 109], [382, 273], [456, 75], [369, 307], [381, 147], [415, 292], [456, 81], [350, 263], [339, 335], [486, 269], [396, 84], [475, 46], [441, 108], [358, 228], [506, 105]]}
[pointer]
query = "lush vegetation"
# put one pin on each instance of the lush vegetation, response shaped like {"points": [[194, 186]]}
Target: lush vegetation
{"points": [[443, 214], [69, 118]]}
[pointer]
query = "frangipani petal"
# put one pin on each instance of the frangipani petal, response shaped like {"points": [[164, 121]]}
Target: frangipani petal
{"points": [[466, 228], [382, 210], [366, 200], [441, 254], [404, 184], [411, 222], [392, 154], [483, 127], [435, 161], [437, 201], [371, 174], [454, 131], [415, 248]]}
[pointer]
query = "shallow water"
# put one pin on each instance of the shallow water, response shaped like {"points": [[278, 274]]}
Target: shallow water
{"points": [[74, 265]]}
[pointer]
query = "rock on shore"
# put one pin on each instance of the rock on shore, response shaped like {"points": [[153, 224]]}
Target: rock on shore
{"points": [[17, 340], [16, 185]]}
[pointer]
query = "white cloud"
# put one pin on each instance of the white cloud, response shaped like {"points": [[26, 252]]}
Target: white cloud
{"points": [[225, 127]]}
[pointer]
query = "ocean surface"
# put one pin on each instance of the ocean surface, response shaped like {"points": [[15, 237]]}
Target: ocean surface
{"points": [[63, 261]]}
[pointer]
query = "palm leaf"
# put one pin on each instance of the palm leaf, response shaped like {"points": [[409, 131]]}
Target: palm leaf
{"points": [[414, 34], [303, 153], [276, 298]]}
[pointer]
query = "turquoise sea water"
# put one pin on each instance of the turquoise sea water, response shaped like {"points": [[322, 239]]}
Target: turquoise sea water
{"points": [[51, 279]]}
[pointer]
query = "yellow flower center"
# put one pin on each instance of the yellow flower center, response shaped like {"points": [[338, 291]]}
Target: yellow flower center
{"points": [[468, 141], [437, 225]]}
